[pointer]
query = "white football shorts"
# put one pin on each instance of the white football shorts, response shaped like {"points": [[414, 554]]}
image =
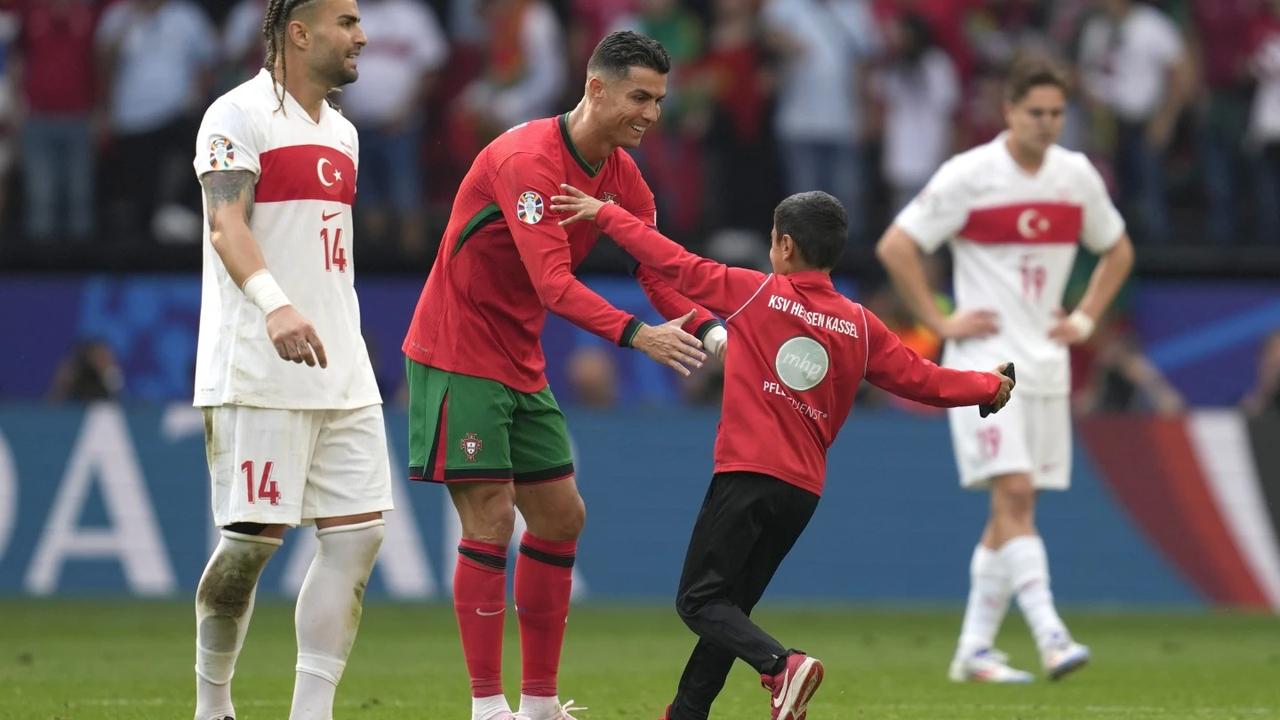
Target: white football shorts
{"points": [[293, 466], [1032, 434]]}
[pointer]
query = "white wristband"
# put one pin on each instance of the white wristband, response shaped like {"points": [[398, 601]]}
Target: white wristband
{"points": [[263, 291], [715, 339], [1083, 324]]}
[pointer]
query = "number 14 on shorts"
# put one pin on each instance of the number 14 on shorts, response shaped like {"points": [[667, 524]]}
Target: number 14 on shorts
{"points": [[267, 488]]}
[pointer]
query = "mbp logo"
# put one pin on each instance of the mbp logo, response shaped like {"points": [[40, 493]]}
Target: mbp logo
{"points": [[802, 363]]}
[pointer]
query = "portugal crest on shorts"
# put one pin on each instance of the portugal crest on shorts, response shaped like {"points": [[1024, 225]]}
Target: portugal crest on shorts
{"points": [[529, 207], [222, 154], [471, 446]]}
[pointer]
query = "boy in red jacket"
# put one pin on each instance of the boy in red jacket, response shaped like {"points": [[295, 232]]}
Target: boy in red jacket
{"points": [[799, 351]]}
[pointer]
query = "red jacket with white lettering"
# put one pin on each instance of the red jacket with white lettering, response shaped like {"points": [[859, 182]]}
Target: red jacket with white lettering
{"points": [[797, 352]]}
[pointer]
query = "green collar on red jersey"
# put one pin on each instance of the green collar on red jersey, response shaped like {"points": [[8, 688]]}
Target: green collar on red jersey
{"points": [[563, 121]]}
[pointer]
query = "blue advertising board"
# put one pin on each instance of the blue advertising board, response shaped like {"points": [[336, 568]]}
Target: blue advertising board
{"points": [[1205, 336], [110, 499]]}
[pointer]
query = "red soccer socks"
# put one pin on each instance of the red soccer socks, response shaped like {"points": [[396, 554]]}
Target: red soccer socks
{"points": [[544, 581], [480, 601]]}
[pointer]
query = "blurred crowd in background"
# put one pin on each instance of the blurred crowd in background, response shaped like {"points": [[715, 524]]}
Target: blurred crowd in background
{"points": [[1176, 101]]}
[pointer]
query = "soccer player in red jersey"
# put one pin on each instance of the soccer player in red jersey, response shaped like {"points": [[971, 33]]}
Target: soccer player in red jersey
{"points": [[797, 354], [482, 418]]}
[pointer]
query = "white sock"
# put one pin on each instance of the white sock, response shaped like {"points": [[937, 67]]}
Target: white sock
{"points": [[989, 593], [1029, 576], [312, 696], [224, 605], [539, 707], [489, 708], [328, 613]]}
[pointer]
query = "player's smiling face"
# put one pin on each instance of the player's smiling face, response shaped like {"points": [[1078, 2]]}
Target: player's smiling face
{"points": [[1036, 120], [633, 104], [338, 41]]}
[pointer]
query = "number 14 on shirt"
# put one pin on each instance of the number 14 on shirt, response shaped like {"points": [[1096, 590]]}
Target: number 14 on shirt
{"points": [[334, 254]]}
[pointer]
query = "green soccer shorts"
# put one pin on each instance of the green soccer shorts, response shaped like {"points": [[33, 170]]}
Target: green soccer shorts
{"points": [[470, 429]]}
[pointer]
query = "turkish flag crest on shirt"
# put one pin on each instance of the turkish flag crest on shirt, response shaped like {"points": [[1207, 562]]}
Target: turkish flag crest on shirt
{"points": [[306, 172], [1033, 223]]}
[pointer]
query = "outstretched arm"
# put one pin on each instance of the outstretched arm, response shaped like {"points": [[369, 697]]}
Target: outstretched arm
{"points": [[721, 289], [898, 369], [671, 304], [544, 250]]}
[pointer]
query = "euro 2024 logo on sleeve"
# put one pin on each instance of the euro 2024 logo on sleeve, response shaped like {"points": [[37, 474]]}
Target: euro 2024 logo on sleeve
{"points": [[801, 363], [222, 154], [529, 207]]}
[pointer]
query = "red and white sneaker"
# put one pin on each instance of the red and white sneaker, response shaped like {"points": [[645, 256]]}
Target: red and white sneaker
{"points": [[793, 687], [666, 714]]}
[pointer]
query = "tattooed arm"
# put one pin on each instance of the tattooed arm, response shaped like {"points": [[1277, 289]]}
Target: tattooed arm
{"points": [[228, 200], [229, 206]]}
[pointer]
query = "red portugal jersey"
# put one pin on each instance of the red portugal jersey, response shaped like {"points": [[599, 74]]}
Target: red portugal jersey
{"points": [[797, 352], [504, 261]]}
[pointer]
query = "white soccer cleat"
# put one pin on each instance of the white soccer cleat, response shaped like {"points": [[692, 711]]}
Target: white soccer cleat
{"points": [[1064, 658], [559, 712], [988, 666], [564, 711]]}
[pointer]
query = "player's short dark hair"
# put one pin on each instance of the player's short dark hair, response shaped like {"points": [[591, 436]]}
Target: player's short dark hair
{"points": [[817, 223], [621, 50], [1030, 72]]}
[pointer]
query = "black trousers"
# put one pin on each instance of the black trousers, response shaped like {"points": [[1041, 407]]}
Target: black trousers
{"points": [[747, 525]]}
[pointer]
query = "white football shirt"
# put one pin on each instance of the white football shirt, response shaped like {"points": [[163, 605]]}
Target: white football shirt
{"points": [[1014, 236], [305, 187]]}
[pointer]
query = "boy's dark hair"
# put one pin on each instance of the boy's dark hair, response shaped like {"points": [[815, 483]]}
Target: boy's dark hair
{"points": [[624, 49], [1032, 71], [817, 223]]}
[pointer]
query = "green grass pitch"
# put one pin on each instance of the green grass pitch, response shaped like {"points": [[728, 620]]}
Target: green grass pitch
{"points": [[88, 660]]}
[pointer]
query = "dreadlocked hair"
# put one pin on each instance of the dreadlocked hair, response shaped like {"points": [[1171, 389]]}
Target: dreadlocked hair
{"points": [[274, 22]]}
